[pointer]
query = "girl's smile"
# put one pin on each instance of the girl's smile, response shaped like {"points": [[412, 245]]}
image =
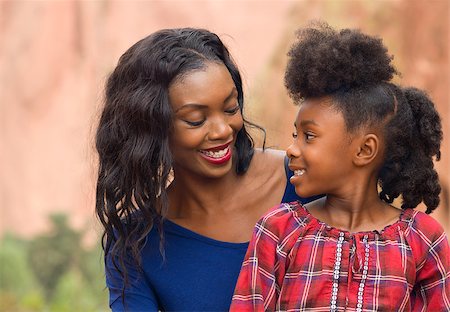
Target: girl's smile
{"points": [[299, 172], [296, 178]]}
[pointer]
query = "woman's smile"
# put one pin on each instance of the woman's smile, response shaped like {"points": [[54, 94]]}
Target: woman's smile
{"points": [[218, 155]]}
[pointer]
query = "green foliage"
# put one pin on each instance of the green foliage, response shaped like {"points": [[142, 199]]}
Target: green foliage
{"points": [[15, 274], [52, 255], [51, 272], [71, 296]]}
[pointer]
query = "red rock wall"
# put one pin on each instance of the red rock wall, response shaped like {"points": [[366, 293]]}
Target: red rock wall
{"points": [[55, 55]]}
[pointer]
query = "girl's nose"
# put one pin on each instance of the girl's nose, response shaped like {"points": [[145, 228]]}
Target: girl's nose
{"points": [[293, 151]]}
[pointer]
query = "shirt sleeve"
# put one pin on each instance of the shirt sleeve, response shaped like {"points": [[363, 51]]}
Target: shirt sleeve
{"points": [[138, 294], [262, 271], [431, 291]]}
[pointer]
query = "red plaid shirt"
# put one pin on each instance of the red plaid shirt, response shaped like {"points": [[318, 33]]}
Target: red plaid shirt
{"points": [[297, 263]]}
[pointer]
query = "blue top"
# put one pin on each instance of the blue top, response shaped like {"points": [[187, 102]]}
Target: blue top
{"points": [[197, 274]]}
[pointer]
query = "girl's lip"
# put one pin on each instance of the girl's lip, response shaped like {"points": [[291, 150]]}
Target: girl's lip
{"points": [[293, 168], [293, 179], [298, 173]]}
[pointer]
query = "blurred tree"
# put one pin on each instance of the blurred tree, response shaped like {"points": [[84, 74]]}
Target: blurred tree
{"points": [[53, 254], [15, 274], [18, 285], [51, 272], [71, 294]]}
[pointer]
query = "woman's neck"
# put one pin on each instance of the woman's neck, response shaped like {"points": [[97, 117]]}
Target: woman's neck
{"points": [[191, 195]]}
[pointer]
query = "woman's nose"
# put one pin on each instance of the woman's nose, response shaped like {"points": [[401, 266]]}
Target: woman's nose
{"points": [[220, 129]]}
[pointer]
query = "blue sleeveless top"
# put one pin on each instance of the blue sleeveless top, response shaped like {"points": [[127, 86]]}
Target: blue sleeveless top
{"points": [[197, 274]]}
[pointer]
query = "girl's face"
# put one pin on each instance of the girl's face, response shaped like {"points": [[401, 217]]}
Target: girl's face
{"points": [[207, 118], [321, 153]]}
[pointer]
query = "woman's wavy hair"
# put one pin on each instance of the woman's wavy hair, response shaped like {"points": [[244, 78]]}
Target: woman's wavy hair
{"points": [[355, 71], [132, 138]]}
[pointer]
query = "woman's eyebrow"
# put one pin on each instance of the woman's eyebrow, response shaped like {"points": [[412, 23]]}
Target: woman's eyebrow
{"points": [[201, 106], [231, 95], [191, 105]]}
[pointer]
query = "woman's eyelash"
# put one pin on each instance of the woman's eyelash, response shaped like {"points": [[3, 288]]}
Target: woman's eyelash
{"points": [[233, 110], [194, 123]]}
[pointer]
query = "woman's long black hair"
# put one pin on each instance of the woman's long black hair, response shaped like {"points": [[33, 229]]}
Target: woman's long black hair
{"points": [[132, 138], [355, 71]]}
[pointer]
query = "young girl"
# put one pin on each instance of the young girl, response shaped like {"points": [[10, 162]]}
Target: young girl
{"points": [[356, 132]]}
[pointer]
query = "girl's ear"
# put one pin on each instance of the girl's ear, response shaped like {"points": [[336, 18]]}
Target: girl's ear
{"points": [[367, 151]]}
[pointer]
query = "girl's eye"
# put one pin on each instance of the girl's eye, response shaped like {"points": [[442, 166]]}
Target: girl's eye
{"points": [[294, 135], [194, 123], [233, 110], [309, 136]]}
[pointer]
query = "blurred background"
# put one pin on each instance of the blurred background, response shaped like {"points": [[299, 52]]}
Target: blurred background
{"points": [[54, 60]]}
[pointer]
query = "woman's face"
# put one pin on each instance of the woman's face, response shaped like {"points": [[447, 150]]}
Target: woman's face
{"points": [[321, 153], [207, 118]]}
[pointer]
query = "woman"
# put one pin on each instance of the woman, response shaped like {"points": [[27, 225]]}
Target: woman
{"points": [[174, 106]]}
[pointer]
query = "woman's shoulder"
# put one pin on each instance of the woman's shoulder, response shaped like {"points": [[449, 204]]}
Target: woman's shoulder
{"points": [[269, 160], [270, 154]]}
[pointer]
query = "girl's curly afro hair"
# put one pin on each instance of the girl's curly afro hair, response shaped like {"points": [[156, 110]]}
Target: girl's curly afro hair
{"points": [[324, 61]]}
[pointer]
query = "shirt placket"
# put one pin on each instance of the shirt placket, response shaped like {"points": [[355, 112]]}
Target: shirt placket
{"points": [[365, 271], [358, 263], [336, 272], [356, 258]]}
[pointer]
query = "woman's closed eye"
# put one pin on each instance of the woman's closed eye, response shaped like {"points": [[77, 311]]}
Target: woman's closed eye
{"points": [[233, 110], [194, 123]]}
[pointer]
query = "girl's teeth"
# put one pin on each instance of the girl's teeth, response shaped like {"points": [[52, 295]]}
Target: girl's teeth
{"points": [[218, 154], [299, 172]]}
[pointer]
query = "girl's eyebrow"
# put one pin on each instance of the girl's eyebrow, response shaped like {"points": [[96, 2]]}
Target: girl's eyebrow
{"points": [[305, 123], [308, 122]]}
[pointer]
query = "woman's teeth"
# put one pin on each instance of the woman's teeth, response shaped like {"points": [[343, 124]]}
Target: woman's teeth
{"points": [[299, 172], [218, 154]]}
